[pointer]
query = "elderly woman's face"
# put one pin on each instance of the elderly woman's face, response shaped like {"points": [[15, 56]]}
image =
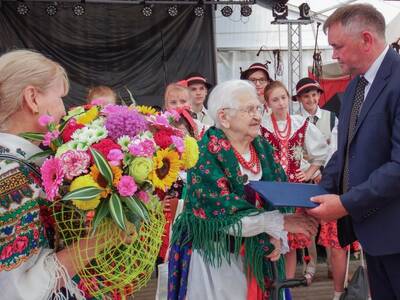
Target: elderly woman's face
{"points": [[245, 120], [50, 101]]}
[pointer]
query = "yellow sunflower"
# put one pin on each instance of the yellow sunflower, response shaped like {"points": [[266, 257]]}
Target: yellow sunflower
{"points": [[146, 110], [191, 153], [80, 182], [88, 116], [166, 169], [101, 181]]}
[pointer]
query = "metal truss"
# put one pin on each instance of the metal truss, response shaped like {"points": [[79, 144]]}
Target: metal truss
{"points": [[295, 52]]}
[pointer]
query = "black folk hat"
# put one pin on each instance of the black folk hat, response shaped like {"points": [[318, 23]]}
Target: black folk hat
{"points": [[194, 78], [306, 85], [244, 75]]}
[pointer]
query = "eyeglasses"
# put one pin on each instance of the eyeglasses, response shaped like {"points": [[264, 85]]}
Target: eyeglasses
{"points": [[250, 110], [259, 80]]}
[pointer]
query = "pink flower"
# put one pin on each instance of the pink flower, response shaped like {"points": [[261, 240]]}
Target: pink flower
{"points": [[140, 147], [6, 252], [50, 136], [172, 113], [52, 176], [180, 146], [143, 196], [20, 243], [115, 156], [126, 186], [75, 163], [45, 120]]}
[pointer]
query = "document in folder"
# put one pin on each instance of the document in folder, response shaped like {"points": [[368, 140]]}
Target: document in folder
{"points": [[287, 194]]}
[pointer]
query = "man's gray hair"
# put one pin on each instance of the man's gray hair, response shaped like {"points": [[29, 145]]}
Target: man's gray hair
{"points": [[358, 17], [228, 95]]}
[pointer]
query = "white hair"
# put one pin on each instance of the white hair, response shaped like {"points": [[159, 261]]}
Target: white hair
{"points": [[228, 95]]}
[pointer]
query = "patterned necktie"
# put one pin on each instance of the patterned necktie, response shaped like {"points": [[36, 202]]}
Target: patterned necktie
{"points": [[313, 119], [355, 111]]}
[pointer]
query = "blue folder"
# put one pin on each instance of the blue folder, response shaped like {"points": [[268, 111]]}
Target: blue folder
{"points": [[287, 194]]}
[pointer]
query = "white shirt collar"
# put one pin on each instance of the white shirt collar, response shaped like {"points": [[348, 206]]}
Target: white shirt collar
{"points": [[306, 114], [20, 147], [373, 69]]}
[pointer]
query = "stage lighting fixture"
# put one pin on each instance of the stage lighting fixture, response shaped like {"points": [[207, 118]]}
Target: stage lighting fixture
{"points": [[173, 10], [245, 10], [78, 10], [51, 10], [304, 11], [147, 11], [226, 11], [199, 11], [22, 9], [280, 10]]}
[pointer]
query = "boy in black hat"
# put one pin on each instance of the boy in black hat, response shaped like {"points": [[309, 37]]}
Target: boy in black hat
{"points": [[308, 93], [199, 87], [258, 74]]}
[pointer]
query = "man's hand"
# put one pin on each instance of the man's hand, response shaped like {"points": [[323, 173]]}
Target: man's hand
{"points": [[330, 208]]}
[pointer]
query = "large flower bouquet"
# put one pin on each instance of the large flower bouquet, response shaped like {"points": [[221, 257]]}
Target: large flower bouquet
{"points": [[104, 168]]}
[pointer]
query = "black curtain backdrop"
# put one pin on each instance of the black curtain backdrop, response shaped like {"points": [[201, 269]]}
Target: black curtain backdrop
{"points": [[115, 45]]}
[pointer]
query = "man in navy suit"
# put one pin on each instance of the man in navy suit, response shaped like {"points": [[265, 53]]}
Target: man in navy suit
{"points": [[364, 174]]}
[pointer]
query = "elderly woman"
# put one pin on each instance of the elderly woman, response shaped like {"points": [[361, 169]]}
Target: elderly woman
{"points": [[226, 237], [31, 85]]}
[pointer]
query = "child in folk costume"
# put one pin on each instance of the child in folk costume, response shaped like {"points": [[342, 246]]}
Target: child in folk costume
{"points": [[292, 137]]}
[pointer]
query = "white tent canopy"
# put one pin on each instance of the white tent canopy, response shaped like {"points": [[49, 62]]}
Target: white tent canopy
{"points": [[238, 38]]}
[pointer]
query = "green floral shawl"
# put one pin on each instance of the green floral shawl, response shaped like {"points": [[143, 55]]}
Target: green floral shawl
{"points": [[215, 202]]}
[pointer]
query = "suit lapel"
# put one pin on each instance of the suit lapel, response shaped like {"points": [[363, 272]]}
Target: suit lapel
{"points": [[375, 90]]}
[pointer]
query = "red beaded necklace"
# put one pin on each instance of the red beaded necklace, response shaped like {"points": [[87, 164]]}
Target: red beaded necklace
{"points": [[253, 165], [281, 133]]}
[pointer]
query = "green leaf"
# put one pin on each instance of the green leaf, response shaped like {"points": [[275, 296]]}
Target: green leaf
{"points": [[85, 193], [116, 210], [33, 136], [134, 219], [41, 154], [102, 212], [103, 166], [137, 207]]}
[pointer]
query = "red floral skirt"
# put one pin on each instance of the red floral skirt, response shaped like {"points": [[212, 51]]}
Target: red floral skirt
{"points": [[328, 237]]}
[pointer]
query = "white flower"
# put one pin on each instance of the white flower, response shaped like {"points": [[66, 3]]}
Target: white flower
{"points": [[82, 146], [100, 133], [124, 141], [297, 153], [99, 122]]}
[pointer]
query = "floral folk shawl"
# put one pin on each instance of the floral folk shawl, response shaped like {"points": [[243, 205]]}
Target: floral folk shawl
{"points": [[216, 201]]}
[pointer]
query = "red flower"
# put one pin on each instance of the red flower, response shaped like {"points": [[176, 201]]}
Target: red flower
{"points": [[199, 213], [213, 145], [225, 144], [20, 243], [307, 259], [163, 138], [69, 129], [223, 184], [104, 147], [6, 252]]}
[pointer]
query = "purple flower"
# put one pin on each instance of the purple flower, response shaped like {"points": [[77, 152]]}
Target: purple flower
{"points": [[126, 186], [123, 121]]}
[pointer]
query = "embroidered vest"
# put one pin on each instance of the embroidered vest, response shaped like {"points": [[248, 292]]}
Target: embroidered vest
{"points": [[288, 156]]}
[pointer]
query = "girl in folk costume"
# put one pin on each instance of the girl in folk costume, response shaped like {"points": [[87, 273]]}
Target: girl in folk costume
{"points": [[291, 138]]}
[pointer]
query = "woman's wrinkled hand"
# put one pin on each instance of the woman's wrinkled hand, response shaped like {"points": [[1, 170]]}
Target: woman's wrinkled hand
{"points": [[276, 253], [301, 223]]}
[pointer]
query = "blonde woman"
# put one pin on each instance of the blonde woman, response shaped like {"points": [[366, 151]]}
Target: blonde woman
{"points": [[31, 85]]}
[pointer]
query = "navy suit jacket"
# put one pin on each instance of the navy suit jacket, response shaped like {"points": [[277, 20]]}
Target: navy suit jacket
{"points": [[373, 199]]}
